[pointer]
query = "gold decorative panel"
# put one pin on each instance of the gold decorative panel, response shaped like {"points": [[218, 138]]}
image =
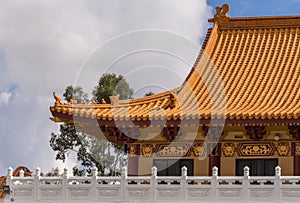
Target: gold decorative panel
{"points": [[147, 150], [132, 150], [177, 150], [228, 149], [198, 150], [283, 149], [263, 149]]}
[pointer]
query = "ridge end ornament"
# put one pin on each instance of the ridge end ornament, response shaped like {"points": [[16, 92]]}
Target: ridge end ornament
{"points": [[57, 99], [221, 16]]}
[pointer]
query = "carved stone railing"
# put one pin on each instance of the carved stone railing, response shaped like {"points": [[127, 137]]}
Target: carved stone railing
{"points": [[153, 188]]}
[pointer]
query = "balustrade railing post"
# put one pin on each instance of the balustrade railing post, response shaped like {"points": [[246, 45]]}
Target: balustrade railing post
{"points": [[183, 182], [36, 188], [246, 183], [65, 184], [9, 178], [94, 183], [21, 173], [214, 182], [277, 183], [153, 183], [123, 183]]}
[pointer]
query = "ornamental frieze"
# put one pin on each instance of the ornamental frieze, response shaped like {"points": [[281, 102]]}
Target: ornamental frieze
{"points": [[255, 132], [147, 150], [294, 130], [177, 150], [132, 150], [263, 149], [228, 149], [198, 150], [283, 149]]}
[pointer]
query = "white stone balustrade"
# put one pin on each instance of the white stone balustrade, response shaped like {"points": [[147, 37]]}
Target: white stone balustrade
{"points": [[153, 188]]}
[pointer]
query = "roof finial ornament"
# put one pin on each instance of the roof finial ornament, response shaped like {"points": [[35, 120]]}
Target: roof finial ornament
{"points": [[83, 101], [94, 101], [73, 100], [221, 14], [57, 99], [222, 10], [103, 101]]}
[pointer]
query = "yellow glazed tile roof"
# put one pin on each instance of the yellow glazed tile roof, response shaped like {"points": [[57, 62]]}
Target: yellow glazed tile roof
{"points": [[257, 60]]}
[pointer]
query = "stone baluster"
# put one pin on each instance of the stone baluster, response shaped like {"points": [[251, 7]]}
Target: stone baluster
{"points": [[123, 183], [246, 183], [214, 182], [153, 183], [9, 176], [183, 182], [37, 177], [277, 183], [94, 183], [21, 173], [65, 184], [277, 171]]}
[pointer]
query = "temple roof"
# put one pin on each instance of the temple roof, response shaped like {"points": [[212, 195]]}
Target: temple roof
{"points": [[257, 60]]}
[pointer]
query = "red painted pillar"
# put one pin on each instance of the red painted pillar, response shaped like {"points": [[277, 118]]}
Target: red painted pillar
{"points": [[296, 154], [214, 159]]}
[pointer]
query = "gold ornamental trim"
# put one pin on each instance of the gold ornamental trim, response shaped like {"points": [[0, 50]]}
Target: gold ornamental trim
{"points": [[263, 149], [147, 150], [174, 150], [199, 150], [283, 149], [132, 150], [228, 149]]}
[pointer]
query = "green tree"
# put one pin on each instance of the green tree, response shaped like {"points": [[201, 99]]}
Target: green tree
{"points": [[90, 150], [149, 93], [53, 172], [111, 84], [76, 93]]}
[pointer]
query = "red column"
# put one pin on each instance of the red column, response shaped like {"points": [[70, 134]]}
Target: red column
{"points": [[133, 165], [296, 154]]}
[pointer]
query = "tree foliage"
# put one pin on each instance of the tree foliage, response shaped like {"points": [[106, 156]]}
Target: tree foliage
{"points": [[149, 93], [90, 150], [54, 172], [111, 84], [76, 93]]}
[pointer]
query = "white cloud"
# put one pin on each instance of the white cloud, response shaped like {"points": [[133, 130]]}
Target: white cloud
{"points": [[5, 97], [44, 43]]}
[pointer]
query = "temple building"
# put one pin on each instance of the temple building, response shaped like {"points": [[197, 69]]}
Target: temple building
{"points": [[239, 106]]}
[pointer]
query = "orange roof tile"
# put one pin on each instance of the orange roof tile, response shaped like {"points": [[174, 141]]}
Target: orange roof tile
{"points": [[257, 60]]}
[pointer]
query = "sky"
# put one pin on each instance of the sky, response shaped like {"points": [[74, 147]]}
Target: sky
{"points": [[48, 45]]}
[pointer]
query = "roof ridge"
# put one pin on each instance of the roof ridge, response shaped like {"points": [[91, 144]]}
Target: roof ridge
{"points": [[226, 22]]}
